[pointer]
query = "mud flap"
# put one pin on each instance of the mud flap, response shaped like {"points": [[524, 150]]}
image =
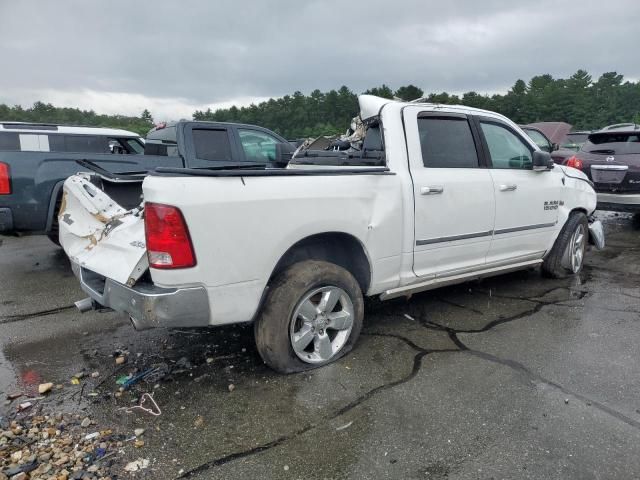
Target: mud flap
{"points": [[100, 235]]}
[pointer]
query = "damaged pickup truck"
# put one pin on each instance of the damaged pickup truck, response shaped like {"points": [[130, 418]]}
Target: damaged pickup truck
{"points": [[428, 195]]}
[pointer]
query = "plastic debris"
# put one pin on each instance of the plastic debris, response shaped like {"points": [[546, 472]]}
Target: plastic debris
{"points": [[120, 360], [138, 432], [147, 404], [91, 436], [45, 387], [345, 426], [24, 406], [75, 381], [139, 464], [231, 387]]}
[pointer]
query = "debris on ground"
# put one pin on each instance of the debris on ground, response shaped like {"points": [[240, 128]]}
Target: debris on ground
{"points": [[45, 388], [54, 446], [139, 464]]}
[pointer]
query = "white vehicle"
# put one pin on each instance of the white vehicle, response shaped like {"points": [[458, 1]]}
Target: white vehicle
{"points": [[434, 195]]}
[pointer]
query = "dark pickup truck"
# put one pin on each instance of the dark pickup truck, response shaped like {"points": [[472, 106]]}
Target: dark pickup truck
{"points": [[31, 181]]}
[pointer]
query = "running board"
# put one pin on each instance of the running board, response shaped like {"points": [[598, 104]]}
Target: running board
{"points": [[453, 279]]}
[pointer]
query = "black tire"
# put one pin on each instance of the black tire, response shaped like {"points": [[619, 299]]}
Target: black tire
{"points": [[273, 328], [557, 264], [53, 234]]}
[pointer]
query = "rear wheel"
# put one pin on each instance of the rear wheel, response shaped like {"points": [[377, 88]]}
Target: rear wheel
{"points": [[567, 255], [312, 316]]}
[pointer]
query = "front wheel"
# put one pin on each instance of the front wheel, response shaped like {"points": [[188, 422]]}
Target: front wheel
{"points": [[567, 255], [312, 315]]}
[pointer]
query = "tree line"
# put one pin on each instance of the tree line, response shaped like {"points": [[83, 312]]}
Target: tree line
{"points": [[579, 100], [46, 113]]}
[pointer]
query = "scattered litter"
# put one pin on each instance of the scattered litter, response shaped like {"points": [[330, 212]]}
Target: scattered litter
{"points": [[79, 375], [138, 432], [409, 317], [24, 406], [139, 464], [147, 404], [75, 381], [566, 401], [91, 436], [199, 421], [345, 426], [120, 360], [95, 374], [138, 443], [45, 387], [231, 387], [210, 360]]}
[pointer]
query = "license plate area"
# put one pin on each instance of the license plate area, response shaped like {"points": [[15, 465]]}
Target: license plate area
{"points": [[608, 173]]}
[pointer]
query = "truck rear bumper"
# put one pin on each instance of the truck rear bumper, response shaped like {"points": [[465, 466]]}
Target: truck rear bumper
{"points": [[147, 305], [6, 220], [619, 202]]}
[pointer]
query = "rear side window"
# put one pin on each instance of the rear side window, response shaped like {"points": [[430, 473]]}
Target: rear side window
{"points": [[212, 145], [9, 142], [79, 143], [447, 143]]}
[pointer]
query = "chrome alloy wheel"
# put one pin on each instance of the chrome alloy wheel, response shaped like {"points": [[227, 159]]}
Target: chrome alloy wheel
{"points": [[576, 249], [321, 324]]}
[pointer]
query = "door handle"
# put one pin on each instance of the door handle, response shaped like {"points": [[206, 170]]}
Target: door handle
{"points": [[432, 190], [508, 188]]}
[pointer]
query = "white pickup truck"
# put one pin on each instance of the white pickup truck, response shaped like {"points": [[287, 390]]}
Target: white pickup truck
{"points": [[433, 195]]}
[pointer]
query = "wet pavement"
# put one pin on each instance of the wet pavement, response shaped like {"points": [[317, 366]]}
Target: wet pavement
{"points": [[512, 377]]}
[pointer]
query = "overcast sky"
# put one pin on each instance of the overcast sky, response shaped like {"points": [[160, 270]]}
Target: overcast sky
{"points": [[174, 57]]}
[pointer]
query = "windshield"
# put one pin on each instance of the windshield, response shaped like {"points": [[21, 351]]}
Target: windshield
{"points": [[539, 139]]}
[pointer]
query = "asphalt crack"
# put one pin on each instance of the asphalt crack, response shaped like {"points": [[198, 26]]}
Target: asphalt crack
{"points": [[421, 353], [27, 316]]}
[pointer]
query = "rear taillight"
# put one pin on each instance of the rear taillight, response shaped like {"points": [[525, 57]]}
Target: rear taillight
{"points": [[5, 179], [574, 162], [168, 241]]}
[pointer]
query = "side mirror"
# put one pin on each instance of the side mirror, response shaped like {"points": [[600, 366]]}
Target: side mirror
{"points": [[555, 147], [283, 154], [542, 161]]}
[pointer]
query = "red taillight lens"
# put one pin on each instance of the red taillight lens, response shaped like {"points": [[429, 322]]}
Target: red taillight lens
{"points": [[5, 179], [168, 241], [574, 162]]}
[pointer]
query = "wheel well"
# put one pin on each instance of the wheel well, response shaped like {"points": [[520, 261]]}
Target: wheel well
{"points": [[339, 248], [579, 209]]}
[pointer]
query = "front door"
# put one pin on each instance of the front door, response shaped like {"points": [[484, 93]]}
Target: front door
{"points": [[453, 193], [527, 201]]}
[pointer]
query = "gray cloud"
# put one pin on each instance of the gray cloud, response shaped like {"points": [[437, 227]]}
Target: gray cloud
{"points": [[185, 55]]}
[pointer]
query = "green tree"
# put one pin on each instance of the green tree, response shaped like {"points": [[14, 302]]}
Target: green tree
{"points": [[409, 92]]}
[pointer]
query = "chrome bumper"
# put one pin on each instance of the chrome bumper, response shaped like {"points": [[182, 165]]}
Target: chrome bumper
{"points": [[147, 305], [619, 202]]}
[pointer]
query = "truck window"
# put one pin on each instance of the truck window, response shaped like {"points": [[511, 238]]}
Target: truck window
{"points": [[447, 142], [212, 145], [258, 146], [9, 142], [78, 143], [506, 149]]}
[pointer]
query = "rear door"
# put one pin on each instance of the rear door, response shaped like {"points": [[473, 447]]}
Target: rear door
{"points": [[453, 193], [527, 201]]}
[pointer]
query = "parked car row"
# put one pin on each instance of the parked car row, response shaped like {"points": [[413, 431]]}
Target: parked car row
{"points": [[610, 157]]}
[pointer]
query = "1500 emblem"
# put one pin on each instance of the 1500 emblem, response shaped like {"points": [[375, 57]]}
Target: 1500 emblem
{"points": [[553, 204]]}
